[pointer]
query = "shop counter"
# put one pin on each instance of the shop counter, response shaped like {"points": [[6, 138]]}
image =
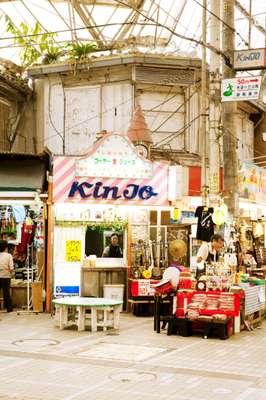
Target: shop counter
{"points": [[93, 279]]}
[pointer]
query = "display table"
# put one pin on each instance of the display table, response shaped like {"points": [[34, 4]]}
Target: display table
{"points": [[66, 308], [185, 327], [142, 296]]}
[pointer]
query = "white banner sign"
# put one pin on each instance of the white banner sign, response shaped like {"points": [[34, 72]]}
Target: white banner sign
{"points": [[240, 89]]}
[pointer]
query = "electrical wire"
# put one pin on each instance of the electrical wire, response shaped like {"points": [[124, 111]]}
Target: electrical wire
{"points": [[152, 23], [59, 15], [175, 134], [34, 17], [225, 24]]}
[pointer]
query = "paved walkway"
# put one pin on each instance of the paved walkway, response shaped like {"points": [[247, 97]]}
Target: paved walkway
{"points": [[40, 362]]}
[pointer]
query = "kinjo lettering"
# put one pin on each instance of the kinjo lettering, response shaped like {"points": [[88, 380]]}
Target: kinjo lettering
{"points": [[98, 190]]}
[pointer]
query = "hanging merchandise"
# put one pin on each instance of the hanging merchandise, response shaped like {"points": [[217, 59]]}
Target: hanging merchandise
{"points": [[19, 213], [258, 229], [218, 216], [175, 214], [7, 224], [205, 228], [27, 235], [147, 274]]}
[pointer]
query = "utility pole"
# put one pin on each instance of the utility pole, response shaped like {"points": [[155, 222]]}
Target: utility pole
{"points": [[204, 189], [229, 116], [215, 101], [249, 24]]}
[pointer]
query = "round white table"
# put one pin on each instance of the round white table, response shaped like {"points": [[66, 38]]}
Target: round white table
{"points": [[81, 304]]}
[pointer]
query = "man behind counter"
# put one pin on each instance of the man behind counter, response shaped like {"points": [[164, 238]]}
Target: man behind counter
{"points": [[210, 251], [113, 250]]}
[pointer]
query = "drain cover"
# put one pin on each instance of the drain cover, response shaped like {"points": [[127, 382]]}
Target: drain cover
{"points": [[36, 342], [133, 377]]}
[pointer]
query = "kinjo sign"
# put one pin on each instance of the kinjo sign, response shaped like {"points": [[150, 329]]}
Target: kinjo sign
{"points": [[77, 180], [100, 191], [249, 59], [240, 89]]}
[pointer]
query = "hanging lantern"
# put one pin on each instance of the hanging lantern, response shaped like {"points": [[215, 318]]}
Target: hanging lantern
{"points": [[224, 207], [176, 214], [218, 216]]}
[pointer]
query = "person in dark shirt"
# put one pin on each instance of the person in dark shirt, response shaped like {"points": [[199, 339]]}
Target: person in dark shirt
{"points": [[113, 250]]}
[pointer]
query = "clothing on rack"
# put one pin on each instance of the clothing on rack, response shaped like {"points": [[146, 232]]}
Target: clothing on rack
{"points": [[19, 213], [7, 222], [27, 236], [205, 228]]}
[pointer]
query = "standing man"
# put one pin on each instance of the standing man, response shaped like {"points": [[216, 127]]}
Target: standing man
{"points": [[209, 252], [113, 250], [6, 272]]}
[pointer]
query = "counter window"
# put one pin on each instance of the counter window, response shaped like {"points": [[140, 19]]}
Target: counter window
{"points": [[105, 243]]}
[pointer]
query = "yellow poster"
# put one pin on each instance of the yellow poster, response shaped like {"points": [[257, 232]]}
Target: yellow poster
{"points": [[73, 250]]}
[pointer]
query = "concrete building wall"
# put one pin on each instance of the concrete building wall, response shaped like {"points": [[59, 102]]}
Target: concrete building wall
{"points": [[25, 141], [22, 139], [245, 136], [4, 124], [75, 109], [259, 142]]}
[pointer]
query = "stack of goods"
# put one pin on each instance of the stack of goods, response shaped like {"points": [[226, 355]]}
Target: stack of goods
{"points": [[183, 299], [186, 281], [218, 277], [226, 303], [213, 304], [197, 303]]}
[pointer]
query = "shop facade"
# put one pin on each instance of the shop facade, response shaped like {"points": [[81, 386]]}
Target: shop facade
{"points": [[111, 189]]}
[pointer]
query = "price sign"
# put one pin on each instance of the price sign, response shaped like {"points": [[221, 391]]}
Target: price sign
{"points": [[73, 250]]}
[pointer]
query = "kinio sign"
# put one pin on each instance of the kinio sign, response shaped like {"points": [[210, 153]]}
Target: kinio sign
{"points": [[100, 191], [249, 59], [110, 172]]}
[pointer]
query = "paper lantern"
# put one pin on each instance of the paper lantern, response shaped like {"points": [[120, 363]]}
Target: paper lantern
{"points": [[176, 214], [218, 216]]}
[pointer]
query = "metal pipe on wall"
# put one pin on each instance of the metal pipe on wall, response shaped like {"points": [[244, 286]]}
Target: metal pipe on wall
{"points": [[215, 108]]}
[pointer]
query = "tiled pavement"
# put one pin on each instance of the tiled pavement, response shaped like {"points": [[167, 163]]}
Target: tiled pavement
{"points": [[40, 362]]}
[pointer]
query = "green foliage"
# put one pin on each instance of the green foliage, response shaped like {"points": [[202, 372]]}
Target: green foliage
{"points": [[82, 50], [34, 44], [107, 226], [52, 54], [115, 226], [40, 47]]}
